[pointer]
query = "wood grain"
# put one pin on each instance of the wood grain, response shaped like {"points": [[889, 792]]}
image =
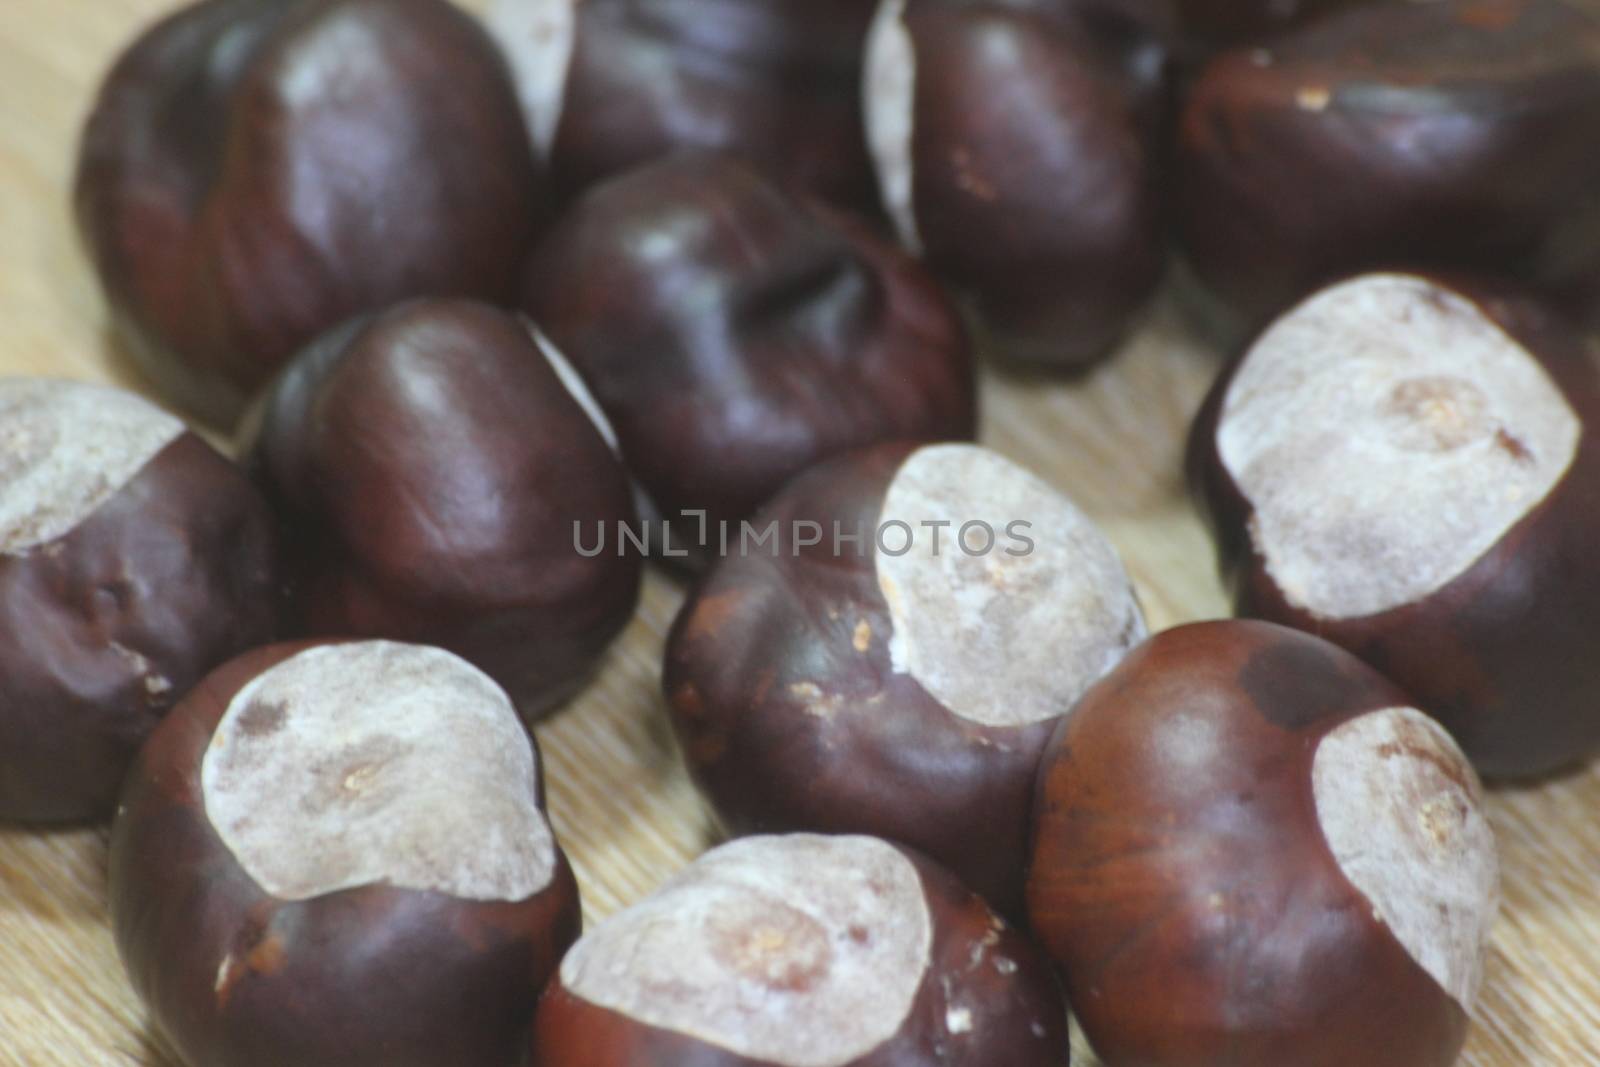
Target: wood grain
{"points": [[619, 795]]}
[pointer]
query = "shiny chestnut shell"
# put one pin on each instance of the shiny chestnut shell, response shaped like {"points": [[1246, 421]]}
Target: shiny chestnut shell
{"points": [[256, 171]]}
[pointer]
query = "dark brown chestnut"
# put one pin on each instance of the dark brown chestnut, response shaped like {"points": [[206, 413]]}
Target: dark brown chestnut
{"points": [[1208, 25], [734, 336], [336, 855], [257, 171], [1452, 135], [804, 951], [1019, 157], [904, 683], [1410, 470], [434, 466], [133, 559], [607, 85], [1252, 851]]}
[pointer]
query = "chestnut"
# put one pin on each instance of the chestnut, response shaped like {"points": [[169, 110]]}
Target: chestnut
{"points": [[133, 559], [734, 336], [1455, 135], [903, 683], [336, 855], [1251, 850], [433, 465], [607, 85], [1408, 469], [804, 951], [257, 171], [1020, 158], [1209, 25]]}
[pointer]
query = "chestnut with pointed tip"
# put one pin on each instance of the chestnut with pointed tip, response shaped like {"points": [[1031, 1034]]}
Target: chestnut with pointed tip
{"points": [[433, 465], [1455, 135], [1408, 469], [133, 559], [1019, 155], [735, 336], [257, 171], [1252, 850], [336, 855], [804, 951], [903, 684], [608, 85]]}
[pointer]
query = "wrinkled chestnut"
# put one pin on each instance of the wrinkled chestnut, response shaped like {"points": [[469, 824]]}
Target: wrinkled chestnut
{"points": [[1019, 157], [337, 856], [734, 336], [1252, 851], [434, 466], [607, 85], [256, 171], [1409, 471], [803, 951], [1455, 135], [903, 684], [133, 559]]}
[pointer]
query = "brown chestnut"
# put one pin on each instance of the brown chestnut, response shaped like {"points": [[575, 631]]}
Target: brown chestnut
{"points": [[1019, 157], [804, 951], [1452, 135], [607, 85], [902, 684], [734, 336], [1208, 25], [133, 559], [257, 171], [336, 855], [1410, 471], [1252, 851], [434, 466]]}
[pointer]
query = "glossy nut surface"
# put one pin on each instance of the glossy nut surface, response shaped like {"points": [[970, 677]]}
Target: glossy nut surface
{"points": [[133, 559], [1250, 850], [256, 171], [362, 963], [433, 469], [1439, 531], [903, 684], [804, 951], [1451, 136], [734, 335]]}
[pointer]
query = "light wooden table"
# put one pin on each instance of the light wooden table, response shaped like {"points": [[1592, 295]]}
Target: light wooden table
{"points": [[619, 796]]}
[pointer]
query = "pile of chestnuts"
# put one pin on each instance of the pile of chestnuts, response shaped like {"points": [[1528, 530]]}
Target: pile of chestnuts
{"points": [[496, 311]]}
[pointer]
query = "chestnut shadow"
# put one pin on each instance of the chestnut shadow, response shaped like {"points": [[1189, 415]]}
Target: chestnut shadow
{"points": [[154, 1050], [73, 854]]}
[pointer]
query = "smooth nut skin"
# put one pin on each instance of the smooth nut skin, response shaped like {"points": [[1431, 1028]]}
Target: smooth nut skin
{"points": [[572, 1032], [1213, 24], [256, 171], [361, 978], [735, 336], [1184, 776], [1035, 173], [762, 639], [1503, 654], [1455, 135], [776, 82], [429, 467], [104, 628]]}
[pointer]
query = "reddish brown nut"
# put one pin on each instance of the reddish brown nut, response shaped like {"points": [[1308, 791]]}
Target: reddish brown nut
{"points": [[337, 855], [434, 466], [1212, 24], [1454, 135], [735, 336], [804, 951], [133, 559], [607, 85], [905, 684], [256, 171], [1252, 851], [1018, 156], [1409, 471]]}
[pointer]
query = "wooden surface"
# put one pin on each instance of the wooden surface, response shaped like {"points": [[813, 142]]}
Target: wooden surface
{"points": [[619, 797]]}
